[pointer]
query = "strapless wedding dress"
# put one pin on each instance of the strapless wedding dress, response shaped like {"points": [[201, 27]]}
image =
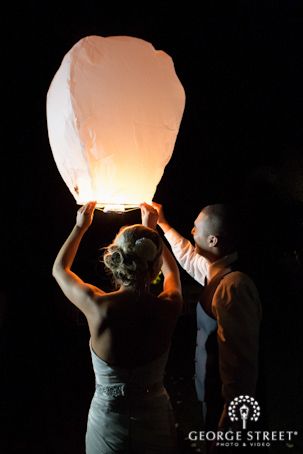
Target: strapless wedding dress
{"points": [[130, 411]]}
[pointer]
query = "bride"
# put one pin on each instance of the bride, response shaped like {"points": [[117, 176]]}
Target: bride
{"points": [[130, 331]]}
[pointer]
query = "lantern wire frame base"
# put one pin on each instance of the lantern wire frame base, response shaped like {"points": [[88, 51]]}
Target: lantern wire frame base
{"points": [[117, 208]]}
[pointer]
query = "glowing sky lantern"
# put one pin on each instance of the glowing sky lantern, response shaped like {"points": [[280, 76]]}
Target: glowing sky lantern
{"points": [[114, 109]]}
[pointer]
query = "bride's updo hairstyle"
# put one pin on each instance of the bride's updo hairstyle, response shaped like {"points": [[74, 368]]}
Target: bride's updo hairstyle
{"points": [[133, 257]]}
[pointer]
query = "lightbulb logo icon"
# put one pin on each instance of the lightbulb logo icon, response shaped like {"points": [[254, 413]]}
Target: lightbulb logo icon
{"points": [[244, 412], [244, 408]]}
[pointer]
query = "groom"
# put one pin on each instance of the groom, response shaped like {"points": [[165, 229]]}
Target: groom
{"points": [[228, 313]]}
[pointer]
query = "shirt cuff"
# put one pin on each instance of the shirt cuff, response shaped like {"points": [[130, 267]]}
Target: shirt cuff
{"points": [[171, 234]]}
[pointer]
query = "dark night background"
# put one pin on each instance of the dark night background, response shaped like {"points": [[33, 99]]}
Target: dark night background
{"points": [[240, 141]]}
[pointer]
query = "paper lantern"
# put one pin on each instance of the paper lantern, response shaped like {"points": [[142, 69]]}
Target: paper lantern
{"points": [[114, 109]]}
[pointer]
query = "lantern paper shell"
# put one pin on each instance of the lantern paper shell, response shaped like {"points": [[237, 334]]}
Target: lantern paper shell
{"points": [[114, 109]]}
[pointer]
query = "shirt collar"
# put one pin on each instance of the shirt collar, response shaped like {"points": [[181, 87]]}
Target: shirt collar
{"points": [[223, 263]]}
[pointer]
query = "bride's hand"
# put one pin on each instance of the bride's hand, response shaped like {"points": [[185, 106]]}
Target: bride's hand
{"points": [[85, 215], [149, 216]]}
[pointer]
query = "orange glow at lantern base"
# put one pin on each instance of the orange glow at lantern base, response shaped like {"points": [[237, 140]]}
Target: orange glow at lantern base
{"points": [[108, 200]]}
